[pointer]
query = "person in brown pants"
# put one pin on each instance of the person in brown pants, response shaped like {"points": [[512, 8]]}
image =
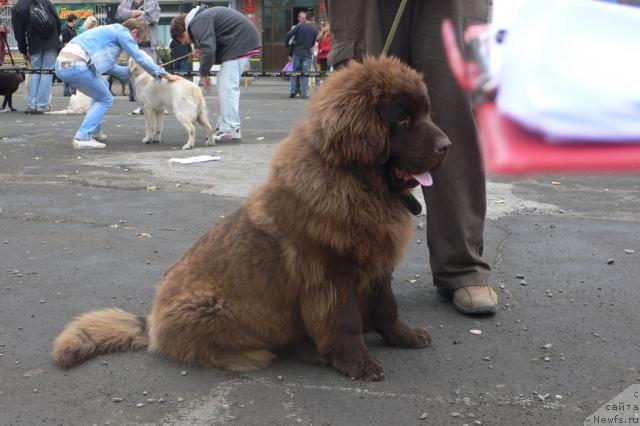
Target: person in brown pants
{"points": [[456, 203]]}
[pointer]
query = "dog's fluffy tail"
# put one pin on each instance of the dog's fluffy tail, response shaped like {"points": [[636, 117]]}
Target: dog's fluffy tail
{"points": [[63, 111], [99, 332]]}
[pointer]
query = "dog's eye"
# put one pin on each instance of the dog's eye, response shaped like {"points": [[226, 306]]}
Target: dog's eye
{"points": [[403, 119]]}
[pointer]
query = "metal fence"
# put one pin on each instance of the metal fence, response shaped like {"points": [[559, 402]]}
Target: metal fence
{"points": [[5, 20]]}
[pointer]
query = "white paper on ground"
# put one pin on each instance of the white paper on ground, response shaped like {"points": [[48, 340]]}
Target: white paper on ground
{"points": [[569, 70], [197, 159]]}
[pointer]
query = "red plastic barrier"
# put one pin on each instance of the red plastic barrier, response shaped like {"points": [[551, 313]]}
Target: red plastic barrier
{"points": [[510, 149]]}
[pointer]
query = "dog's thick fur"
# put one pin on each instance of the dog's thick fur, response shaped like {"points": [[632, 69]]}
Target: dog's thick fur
{"points": [[305, 264], [79, 103], [183, 96]]}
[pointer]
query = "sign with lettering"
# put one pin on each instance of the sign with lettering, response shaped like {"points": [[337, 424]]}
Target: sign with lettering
{"points": [[82, 12]]}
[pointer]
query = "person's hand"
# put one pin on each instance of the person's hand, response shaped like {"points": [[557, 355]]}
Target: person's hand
{"points": [[136, 13], [26, 57], [170, 77], [205, 82], [196, 53]]}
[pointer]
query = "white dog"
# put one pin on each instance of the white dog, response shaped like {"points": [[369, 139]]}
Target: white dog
{"points": [[183, 96], [78, 104]]}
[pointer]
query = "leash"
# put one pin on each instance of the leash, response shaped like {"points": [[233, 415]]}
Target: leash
{"points": [[177, 59], [394, 27]]}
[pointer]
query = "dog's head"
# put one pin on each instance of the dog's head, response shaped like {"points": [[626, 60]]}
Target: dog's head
{"points": [[134, 68], [376, 114]]}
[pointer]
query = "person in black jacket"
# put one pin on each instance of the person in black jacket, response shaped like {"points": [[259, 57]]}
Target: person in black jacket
{"points": [[41, 49], [69, 32]]}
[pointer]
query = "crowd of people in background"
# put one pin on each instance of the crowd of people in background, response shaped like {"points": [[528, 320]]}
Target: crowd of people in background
{"points": [[308, 45]]}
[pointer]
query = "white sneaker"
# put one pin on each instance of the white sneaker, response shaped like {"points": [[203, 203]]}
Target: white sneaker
{"points": [[100, 137], [227, 136], [138, 111], [90, 144]]}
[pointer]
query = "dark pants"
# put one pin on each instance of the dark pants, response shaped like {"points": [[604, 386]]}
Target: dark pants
{"points": [[324, 66], [67, 91], [456, 203], [182, 65]]}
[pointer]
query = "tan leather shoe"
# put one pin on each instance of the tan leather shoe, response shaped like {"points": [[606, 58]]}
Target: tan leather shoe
{"points": [[475, 300]]}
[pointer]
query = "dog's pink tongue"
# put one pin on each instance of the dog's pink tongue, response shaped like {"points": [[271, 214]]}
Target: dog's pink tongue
{"points": [[424, 179]]}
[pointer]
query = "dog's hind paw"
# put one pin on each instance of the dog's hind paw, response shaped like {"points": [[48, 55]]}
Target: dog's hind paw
{"points": [[210, 142]]}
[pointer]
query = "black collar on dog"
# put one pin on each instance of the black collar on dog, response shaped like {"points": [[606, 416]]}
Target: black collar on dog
{"points": [[412, 204]]}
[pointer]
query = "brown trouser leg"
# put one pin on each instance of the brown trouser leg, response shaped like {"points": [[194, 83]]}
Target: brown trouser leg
{"points": [[456, 203]]}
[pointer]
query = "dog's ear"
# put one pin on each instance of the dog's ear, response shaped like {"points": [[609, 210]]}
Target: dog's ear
{"points": [[346, 111], [389, 110], [353, 132]]}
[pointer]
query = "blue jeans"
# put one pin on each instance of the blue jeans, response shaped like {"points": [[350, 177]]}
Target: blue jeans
{"points": [[181, 65], [228, 81], [80, 77], [67, 89], [40, 84], [300, 64]]}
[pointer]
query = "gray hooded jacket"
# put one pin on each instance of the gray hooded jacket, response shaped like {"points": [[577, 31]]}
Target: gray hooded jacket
{"points": [[151, 17], [221, 34]]}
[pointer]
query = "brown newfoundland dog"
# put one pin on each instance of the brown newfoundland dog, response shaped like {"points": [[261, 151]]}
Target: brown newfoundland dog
{"points": [[305, 264]]}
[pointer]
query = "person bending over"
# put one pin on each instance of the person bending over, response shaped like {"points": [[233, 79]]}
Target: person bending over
{"points": [[93, 53], [223, 36]]}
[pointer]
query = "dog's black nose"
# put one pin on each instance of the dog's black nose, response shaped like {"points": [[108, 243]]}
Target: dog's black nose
{"points": [[442, 146]]}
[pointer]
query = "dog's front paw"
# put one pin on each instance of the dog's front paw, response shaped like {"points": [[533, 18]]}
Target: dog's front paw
{"points": [[210, 142], [363, 366], [147, 139], [402, 335], [187, 146]]}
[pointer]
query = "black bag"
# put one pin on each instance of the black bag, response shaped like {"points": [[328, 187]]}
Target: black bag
{"points": [[42, 21]]}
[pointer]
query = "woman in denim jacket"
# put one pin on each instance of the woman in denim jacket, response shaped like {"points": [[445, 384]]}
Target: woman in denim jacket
{"points": [[93, 53]]}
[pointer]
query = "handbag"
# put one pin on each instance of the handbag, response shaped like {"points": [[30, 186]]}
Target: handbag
{"points": [[288, 67]]}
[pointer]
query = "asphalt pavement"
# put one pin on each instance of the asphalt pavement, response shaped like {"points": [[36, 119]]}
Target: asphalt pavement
{"points": [[82, 230]]}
